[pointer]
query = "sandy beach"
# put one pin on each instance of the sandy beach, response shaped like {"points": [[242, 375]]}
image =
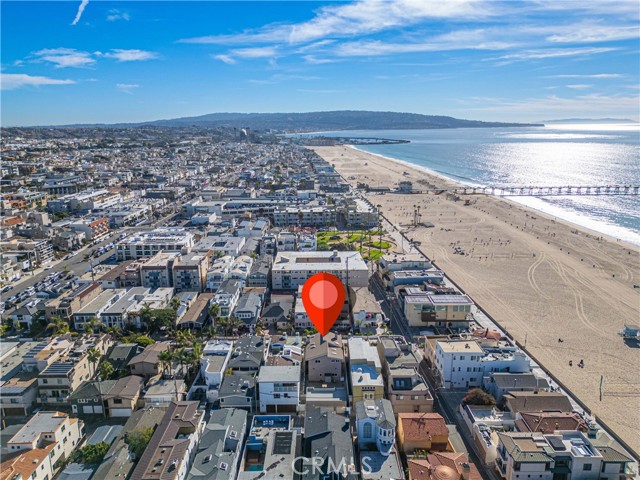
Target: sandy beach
{"points": [[541, 279]]}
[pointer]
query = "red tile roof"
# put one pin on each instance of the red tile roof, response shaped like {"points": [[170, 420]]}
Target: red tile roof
{"points": [[417, 426]]}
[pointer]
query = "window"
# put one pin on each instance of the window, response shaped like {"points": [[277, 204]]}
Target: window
{"points": [[117, 401], [367, 430], [587, 467]]}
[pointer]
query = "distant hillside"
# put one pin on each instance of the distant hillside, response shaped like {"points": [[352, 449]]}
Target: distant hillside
{"points": [[320, 121], [590, 120]]}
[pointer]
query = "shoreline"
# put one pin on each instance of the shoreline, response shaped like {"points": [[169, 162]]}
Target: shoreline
{"points": [[540, 279], [550, 216]]}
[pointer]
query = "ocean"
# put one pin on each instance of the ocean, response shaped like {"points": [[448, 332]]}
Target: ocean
{"points": [[554, 155]]}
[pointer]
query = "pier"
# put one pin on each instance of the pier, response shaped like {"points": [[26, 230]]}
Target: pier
{"points": [[570, 190]]}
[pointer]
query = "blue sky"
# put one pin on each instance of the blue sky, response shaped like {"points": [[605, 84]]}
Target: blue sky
{"points": [[98, 61]]}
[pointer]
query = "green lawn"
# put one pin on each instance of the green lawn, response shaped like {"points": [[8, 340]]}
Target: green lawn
{"points": [[343, 240]]}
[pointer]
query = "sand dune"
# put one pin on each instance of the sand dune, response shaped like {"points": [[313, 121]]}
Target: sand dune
{"points": [[539, 278]]}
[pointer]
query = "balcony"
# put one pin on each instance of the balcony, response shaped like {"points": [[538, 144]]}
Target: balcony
{"points": [[285, 389]]}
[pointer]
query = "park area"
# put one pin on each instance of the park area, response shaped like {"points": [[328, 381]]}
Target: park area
{"points": [[371, 244]]}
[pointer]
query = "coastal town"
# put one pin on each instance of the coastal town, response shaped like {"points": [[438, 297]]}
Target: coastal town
{"points": [[153, 326]]}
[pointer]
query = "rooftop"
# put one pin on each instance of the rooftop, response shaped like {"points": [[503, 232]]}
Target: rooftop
{"points": [[41, 422], [321, 261], [459, 346]]}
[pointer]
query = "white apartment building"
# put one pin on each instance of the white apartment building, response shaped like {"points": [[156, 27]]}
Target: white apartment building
{"points": [[430, 310], [292, 269], [301, 317], [463, 363], [307, 242], [305, 216], [218, 272], [147, 244], [564, 454], [214, 361], [279, 388], [44, 428], [287, 241]]}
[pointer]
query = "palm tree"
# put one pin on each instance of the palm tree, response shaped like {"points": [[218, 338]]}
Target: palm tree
{"points": [[58, 326], [166, 360], [184, 337], [105, 370], [92, 325], [175, 303], [234, 323], [214, 313], [182, 357], [196, 354], [93, 357], [115, 332], [210, 331], [223, 324]]}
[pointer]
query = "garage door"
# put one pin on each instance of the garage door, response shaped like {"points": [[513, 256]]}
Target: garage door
{"points": [[89, 409], [119, 412]]}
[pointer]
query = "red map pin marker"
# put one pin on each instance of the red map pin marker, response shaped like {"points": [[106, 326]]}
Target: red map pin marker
{"points": [[323, 297]]}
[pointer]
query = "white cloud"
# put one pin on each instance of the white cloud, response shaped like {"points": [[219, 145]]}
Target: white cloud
{"points": [[255, 52], [596, 33], [314, 60], [65, 57], [225, 58], [551, 53], [81, 8], [579, 86], [133, 55], [127, 87], [360, 17], [11, 81], [593, 75], [371, 16], [370, 48], [115, 14]]}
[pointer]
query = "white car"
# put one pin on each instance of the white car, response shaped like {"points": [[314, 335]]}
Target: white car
{"points": [[48, 267]]}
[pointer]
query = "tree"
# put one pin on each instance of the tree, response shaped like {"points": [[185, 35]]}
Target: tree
{"points": [[142, 340], [166, 360], [214, 313], [93, 454], [94, 357], [233, 324], [210, 331], [138, 440], [477, 396], [223, 325], [196, 353], [175, 304], [115, 332], [105, 370], [184, 337], [182, 357], [93, 325], [58, 326]]}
